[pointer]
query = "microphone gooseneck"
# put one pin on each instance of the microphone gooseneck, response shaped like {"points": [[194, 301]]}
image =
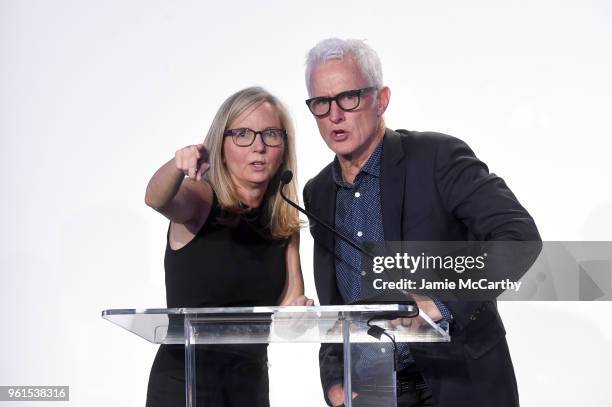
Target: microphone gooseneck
{"points": [[374, 331], [286, 178]]}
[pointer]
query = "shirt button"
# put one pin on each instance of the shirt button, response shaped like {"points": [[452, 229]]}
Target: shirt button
{"points": [[357, 194], [360, 233]]}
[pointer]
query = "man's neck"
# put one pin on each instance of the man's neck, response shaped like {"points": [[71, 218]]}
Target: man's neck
{"points": [[351, 165]]}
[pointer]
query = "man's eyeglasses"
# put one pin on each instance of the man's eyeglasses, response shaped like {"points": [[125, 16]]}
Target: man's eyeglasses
{"points": [[347, 101], [244, 137]]}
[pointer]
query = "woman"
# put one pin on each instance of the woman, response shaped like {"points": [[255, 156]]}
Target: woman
{"points": [[232, 241]]}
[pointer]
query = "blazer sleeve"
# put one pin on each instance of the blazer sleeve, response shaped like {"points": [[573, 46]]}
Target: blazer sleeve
{"points": [[479, 199], [331, 367], [487, 207]]}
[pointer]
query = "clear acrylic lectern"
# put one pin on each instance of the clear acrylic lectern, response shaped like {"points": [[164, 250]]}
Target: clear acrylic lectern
{"points": [[347, 325]]}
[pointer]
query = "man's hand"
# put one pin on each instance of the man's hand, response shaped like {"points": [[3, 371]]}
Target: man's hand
{"points": [[335, 394], [427, 306]]}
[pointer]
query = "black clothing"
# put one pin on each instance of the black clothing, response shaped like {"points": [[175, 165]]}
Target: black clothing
{"points": [[412, 391], [224, 265], [433, 188], [224, 378]]}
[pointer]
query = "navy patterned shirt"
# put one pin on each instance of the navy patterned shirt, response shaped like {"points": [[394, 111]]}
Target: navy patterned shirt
{"points": [[359, 217]]}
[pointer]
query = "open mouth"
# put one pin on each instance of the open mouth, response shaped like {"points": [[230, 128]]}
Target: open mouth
{"points": [[339, 134], [258, 164]]}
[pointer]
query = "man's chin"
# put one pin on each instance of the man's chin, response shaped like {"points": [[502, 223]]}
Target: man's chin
{"points": [[342, 148]]}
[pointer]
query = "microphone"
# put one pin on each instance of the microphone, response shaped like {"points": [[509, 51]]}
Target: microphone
{"points": [[373, 330], [286, 178]]}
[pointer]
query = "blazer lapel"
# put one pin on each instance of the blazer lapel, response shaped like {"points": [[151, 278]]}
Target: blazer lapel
{"points": [[392, 177], [324, 207]]}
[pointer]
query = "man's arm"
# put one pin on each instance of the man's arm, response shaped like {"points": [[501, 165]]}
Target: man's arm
{"points": [[480, 200], [332, 373], [486, 206]]}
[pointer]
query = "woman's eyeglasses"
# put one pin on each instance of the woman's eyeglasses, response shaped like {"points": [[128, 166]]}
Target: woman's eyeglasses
{"points": [[244, 137]]}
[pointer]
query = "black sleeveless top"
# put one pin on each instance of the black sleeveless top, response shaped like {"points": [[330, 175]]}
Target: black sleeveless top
{"points": [[222, 266], [225, 266]]}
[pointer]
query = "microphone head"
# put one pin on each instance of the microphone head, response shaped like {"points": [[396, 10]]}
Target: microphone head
{"points": [[286, 177]]}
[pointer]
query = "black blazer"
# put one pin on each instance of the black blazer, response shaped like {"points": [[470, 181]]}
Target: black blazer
{"points": [[433, 188]]}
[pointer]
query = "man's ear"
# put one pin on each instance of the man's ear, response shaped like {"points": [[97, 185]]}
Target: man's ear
{"points": [[384, 95]]}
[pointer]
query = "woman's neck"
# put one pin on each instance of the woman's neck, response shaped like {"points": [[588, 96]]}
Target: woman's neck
{"points": [[251, 196]]}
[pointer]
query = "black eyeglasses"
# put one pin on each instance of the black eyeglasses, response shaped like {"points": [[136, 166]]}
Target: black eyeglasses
{"points": [[347, 101], [244, 137]]}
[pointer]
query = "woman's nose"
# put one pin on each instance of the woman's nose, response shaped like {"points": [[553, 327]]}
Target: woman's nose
{"points": [[258, 144]]}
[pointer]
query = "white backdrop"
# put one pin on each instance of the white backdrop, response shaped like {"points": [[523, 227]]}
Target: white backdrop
{"points": [[96, 95]]}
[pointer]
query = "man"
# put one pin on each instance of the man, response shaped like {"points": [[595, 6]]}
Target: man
{"points": [[405, 186]]}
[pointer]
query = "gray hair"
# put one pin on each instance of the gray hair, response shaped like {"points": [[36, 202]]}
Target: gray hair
{"points": [[337, 49]]}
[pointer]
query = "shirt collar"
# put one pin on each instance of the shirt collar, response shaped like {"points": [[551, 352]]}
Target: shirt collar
{"points": [[372, 166]]}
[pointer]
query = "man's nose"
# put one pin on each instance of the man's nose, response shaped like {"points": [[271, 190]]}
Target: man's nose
{"points": [[336, 115]]}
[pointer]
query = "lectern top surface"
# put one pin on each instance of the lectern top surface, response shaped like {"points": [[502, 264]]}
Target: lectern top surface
{"points": [[363, 308]]}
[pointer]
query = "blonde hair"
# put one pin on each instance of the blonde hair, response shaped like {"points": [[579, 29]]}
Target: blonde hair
{"points": [[283, 219]]}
